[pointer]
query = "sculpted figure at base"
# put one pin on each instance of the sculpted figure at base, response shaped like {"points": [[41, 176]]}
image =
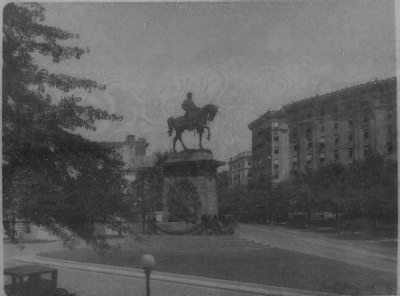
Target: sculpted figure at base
{"points": [[194, 119]]}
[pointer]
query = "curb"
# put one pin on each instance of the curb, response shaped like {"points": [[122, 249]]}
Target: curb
{"points": [[256, 289]]}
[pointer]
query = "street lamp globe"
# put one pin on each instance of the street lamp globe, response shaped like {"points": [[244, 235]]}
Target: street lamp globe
{"points": [[148, 261]]}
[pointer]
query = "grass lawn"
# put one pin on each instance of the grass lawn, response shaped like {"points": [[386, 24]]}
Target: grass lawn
{"points": [[234, 259]]}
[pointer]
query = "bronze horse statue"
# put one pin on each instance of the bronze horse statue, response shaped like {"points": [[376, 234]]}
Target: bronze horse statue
{"points": [[197, 121]]}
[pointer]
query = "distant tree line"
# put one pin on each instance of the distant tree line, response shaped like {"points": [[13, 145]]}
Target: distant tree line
{"points": [[366, 188]]}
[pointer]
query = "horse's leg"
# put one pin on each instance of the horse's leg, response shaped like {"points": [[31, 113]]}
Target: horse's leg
{"points": [[174, 142], [180, 140], [208, 132], [200, 131]]}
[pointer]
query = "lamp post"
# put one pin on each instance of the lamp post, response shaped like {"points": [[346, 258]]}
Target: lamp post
{"points": [[148, 263]]}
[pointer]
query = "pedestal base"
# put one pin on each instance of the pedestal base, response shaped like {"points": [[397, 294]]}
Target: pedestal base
{"points": [[199, 167]]}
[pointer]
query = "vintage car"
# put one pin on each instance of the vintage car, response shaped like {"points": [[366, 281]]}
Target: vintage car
{"points": [[32, 280]]}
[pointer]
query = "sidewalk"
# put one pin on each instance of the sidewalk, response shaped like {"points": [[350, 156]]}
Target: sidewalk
{"points": [[103, 280], [356, 253]]}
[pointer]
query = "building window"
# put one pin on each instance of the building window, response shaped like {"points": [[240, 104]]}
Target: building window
{"points": [[308, 133], [276, 175], [350, 152], [295, 147], [321, 157], [310, 145], [336, 139], [276, 166], [249, 163], [349, 106], [276, 150], [336, 154], [365, 118], [366, 149], [294, 159], [322, 112], [276, 138], [389, 115], [336, 125], [389, 132], [309, 114], [294, 132], [309, 157], [389, 147], [350, 137], [322, 142], [366, 135], [350, 122]]}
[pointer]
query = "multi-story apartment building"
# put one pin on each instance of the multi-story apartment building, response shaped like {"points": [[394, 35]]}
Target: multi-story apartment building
{"points": [[133, 154], [270, 148], [343, 126], [239, 169]]}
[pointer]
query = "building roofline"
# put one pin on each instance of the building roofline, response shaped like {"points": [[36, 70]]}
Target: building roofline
{"points": [[240, 155], [328, 96], [270, 114]]}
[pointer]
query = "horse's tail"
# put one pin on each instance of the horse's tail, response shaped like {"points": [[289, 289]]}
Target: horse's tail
{"points": [[170, 122]]}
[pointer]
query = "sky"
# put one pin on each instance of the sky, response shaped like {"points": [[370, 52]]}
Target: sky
{"points": [[246, 57]]}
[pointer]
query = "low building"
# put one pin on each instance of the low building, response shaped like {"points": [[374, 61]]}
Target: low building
{"points": [[239, 169], [133, 154]]}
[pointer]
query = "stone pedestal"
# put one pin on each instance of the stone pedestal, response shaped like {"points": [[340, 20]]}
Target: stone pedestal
{"points": [[200, 168]]}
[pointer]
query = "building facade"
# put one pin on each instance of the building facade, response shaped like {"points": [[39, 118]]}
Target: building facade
{"points": [[342, 126], [133, 153], [270, 140], [239, 169]]}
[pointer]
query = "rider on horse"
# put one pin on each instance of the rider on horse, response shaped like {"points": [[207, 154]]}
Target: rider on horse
{"points": [[189, 107], [194, 119]]}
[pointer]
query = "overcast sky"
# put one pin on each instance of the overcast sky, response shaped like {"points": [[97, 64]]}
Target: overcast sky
{"points": [[245, 57]]}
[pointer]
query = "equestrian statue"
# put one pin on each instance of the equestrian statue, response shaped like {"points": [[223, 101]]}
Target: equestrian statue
{"points": [[195, 119]]}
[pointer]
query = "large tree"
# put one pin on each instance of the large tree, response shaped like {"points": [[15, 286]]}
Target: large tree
{"points": [[51, 175]]}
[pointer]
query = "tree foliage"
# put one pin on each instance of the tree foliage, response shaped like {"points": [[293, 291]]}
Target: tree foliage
{"points": [[52, 176], [365, 188], [148, 186]]}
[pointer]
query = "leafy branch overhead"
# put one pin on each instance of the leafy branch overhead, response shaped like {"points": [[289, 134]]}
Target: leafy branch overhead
{"points": [[52, 176], [26, 84]]}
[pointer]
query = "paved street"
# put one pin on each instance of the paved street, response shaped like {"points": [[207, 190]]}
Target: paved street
{"points": [[93, 279], [359, 253]]}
